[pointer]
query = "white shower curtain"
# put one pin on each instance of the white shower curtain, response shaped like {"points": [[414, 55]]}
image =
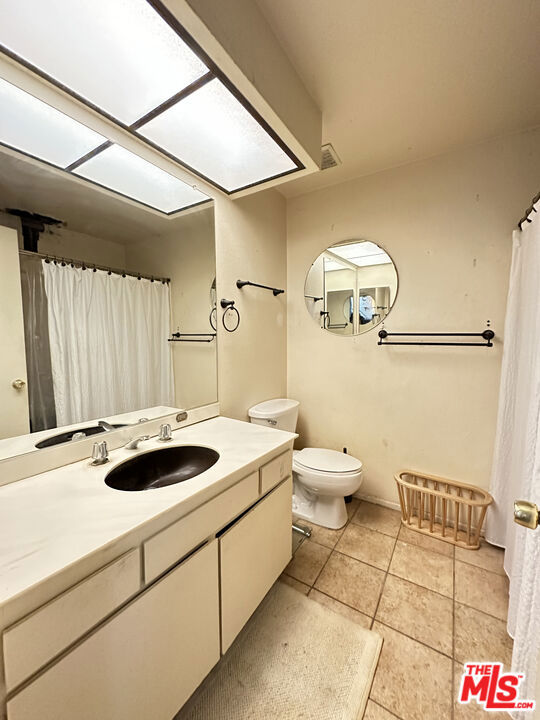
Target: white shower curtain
{"points": [[108, 337], [516, 467]]}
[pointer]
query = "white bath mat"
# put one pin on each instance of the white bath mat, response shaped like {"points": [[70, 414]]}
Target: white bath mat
{"points": [[295, 659]]}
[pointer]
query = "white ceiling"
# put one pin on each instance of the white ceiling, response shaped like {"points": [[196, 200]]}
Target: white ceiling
{"points": [[402, 80]]}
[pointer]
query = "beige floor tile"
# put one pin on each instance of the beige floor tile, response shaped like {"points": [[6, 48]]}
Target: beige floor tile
{"points": [[412, 681], [429, 569], [297, 540], [472, 711], [367, 545], [307, 562], [352, 507], [480, 637], [481, 589], [345, 610], [425, 541], [377, 517], [352, 582], [296, 584], [325, 536], [376, 712], [487, 556], [415, 611]]}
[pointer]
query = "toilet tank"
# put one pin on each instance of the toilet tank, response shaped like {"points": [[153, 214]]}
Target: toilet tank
{"points": [[281, 413]]}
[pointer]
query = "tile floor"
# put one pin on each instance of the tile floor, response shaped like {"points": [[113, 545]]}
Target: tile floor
{"points": [[435, 607]]}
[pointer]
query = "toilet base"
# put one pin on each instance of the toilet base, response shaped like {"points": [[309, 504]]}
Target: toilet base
{"points": [[325, 510]]}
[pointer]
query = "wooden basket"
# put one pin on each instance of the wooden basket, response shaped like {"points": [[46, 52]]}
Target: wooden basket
{"points": [[446, 509]]}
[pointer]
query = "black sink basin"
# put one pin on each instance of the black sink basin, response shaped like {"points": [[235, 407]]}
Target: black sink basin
{"points": [[67, 436], [159, 468]]}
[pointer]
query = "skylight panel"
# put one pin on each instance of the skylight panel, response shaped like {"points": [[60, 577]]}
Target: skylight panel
{"points": [[362, 253], [124, 172], [212, 132], [30, 125], [119, 55]]}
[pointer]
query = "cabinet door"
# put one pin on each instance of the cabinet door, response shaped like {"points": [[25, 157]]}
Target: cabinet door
{"points": [[253, 553], [145, 662]]}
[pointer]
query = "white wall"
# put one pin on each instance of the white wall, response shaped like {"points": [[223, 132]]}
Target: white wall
{"points": [[188, 259], [251, 245], [447, 224]]}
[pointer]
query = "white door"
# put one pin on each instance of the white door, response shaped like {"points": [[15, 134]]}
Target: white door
{"points": [[14, 418]]}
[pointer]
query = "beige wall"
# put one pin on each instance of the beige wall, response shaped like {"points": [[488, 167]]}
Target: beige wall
{"points": [[251, 245], [447, 224], [188, 259], [79, 246]]}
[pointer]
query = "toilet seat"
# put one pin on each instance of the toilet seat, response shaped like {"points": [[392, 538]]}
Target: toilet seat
{"points": [[327, 462]]}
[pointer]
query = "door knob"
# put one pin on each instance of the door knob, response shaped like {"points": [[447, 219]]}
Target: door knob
{"points": [[18, 384], [526, 514]]}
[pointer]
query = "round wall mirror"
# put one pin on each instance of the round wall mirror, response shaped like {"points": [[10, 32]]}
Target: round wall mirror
{"points": [[351, 287]]}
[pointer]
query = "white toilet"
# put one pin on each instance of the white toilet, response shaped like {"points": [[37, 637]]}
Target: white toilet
{"points": [[321, 478]]}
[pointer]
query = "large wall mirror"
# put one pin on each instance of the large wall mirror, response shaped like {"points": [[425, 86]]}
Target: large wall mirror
{"points": [[105, 309], [351, 287]]}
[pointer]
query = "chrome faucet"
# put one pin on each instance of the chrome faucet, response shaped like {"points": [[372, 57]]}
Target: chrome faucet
{"points": [[100, 453], [165, 432], [133, 444], [106, 426]]}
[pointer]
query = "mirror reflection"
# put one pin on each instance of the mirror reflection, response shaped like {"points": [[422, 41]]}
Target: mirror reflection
{"points": [[351, 287], [106, 308]]}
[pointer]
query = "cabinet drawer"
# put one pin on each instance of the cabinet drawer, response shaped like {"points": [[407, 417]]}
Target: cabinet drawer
{"points": [[39, 637], [253, 554], [275, 471], [165, 549], [144, 662]]}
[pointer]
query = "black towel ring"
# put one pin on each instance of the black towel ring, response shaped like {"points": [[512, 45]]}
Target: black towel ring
{"points": [[213, 322], [231, 308]]}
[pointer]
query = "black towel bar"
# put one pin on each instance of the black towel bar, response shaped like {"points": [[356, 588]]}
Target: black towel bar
{"points": [[242, 283], [192, 337], [487, 335]]}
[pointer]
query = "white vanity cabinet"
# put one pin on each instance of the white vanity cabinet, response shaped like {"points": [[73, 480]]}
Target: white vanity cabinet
{"points": [[145, 662], [137, 637], [253, 553]]}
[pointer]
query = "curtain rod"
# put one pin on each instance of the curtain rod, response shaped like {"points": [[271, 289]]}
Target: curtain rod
{"points": [[93, 266], [528, 211]]}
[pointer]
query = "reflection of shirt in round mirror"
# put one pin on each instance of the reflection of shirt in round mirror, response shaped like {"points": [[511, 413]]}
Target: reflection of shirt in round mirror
{"points": [[365, 308]]}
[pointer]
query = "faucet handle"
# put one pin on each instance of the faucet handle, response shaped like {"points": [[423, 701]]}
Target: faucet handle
{"points": [[100, 453], [165, 432]]}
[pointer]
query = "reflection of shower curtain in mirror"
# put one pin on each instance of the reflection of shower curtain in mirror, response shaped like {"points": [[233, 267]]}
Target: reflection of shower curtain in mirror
{"points": [[108, 338], [36, 338]]}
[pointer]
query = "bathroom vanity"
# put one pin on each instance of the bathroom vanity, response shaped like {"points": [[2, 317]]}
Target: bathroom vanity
{"points": [[115, 604]]}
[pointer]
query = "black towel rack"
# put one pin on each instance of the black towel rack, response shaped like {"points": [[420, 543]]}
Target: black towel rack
{"points": [[242, 283], [487, 335], [314, 298], [192, 337]]}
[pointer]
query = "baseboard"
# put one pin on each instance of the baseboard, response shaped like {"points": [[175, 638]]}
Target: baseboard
{"points": [[378, 501]]}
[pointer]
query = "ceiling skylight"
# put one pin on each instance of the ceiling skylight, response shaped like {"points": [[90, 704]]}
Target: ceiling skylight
{"points": [[119, 55], [133, 62], [212, 132], [361, 254], [124, 172], [30, 125]]}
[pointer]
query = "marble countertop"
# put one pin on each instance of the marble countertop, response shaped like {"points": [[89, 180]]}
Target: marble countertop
{"points": [[50, 521]]}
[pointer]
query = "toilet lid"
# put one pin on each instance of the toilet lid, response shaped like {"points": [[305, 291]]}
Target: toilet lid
{"points": [[330, 461]]}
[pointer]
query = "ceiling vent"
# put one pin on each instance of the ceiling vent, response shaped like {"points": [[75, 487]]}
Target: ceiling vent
{"points": [[329, 157]]}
